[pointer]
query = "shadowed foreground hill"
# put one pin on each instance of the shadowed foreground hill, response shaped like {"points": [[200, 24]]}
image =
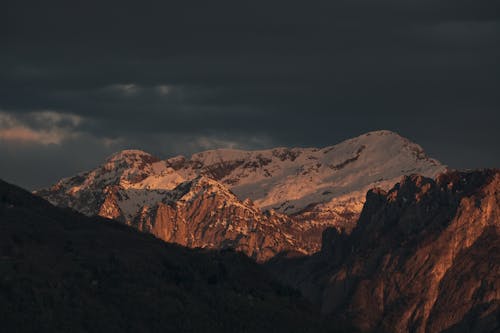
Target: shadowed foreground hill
{"points": [[62, 271]]}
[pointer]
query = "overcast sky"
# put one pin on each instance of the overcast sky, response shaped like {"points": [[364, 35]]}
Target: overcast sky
{"points": [[82, 79]]}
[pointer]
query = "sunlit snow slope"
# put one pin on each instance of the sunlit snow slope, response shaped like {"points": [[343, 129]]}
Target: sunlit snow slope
{"points": [[313, 187]]}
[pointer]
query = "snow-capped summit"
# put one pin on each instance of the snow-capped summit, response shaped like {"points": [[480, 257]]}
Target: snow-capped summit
{"points": [[290, 179], [131, 156], [311, 187]]}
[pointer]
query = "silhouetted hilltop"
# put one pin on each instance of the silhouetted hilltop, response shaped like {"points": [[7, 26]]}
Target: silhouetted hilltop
{"points": [[63, 272]]}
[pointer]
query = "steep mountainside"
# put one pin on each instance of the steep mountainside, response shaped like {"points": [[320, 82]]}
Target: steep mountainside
{"points": [[424, 257], [63, 272], [203, 213], [305, 190]]}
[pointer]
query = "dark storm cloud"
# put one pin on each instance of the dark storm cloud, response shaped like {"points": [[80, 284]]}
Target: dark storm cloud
{"points": [[174, 77]]}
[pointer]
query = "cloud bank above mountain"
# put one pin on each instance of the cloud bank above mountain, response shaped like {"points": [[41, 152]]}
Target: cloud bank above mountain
{"points": [[79, 82]]}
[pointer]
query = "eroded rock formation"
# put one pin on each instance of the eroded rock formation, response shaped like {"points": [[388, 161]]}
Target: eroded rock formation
{"points": [[422, 258]]}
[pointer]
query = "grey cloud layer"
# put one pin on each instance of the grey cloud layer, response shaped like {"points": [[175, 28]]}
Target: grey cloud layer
{"points": [[175, 76]]}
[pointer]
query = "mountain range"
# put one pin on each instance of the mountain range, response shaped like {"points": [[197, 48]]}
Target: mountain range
{"points": [[369, 235], [423, 257], [259, 202]]}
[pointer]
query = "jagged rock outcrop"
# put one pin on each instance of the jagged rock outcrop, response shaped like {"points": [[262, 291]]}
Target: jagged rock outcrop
{"points": [[261, 202], [203, 213], [422, 258]]}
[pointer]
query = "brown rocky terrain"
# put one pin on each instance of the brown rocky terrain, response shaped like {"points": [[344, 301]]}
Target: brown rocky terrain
{"points": [[203, 213], [423, 258]]}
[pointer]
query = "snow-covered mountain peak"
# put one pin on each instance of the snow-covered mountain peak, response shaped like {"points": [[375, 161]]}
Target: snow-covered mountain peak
{"points": [[131, 157], [259, 201], [290, 179], [203, 186], [382, 132], [382, 142], [285, 179], [318, 187], [218, 155]]}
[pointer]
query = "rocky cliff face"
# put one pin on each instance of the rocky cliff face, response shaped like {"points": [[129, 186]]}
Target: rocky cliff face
{"points": [[422, 258], [261, 202], [203, 213]]}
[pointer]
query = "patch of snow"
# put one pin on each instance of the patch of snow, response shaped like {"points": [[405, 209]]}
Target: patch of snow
{"points": [[284, 179]]}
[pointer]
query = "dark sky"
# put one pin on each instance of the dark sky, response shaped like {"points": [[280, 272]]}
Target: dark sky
{"points": [[82, 79]]}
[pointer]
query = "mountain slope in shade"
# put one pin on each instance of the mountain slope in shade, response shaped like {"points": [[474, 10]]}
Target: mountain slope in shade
{"points": [[306, 189], [63, 272], [424, 257]]}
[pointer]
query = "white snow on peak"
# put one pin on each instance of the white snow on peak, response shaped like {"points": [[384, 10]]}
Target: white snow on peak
{"points": [[129, 154], [284, 179], [289, 179], [219, 155]]}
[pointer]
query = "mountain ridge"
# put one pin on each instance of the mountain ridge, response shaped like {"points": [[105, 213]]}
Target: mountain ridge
{"points": [[422, 258], [307, 189]]}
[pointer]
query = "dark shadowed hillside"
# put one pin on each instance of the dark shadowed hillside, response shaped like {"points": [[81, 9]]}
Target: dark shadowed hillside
{"points": [[62, 271]]}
